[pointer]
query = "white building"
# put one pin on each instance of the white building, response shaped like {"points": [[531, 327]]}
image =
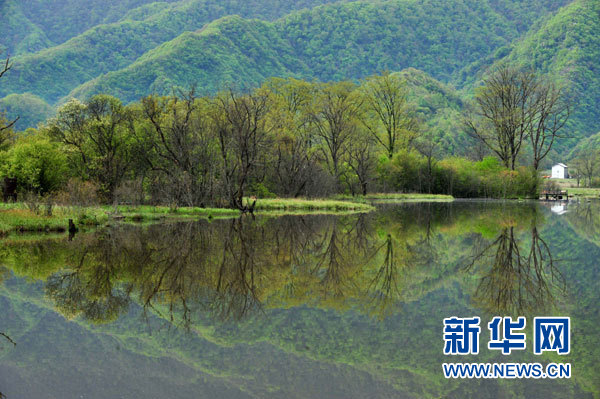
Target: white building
{"points": [[560, 171]]}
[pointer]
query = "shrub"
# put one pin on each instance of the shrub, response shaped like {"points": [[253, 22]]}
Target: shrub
{"points": [[39, 165], [460, 177]]}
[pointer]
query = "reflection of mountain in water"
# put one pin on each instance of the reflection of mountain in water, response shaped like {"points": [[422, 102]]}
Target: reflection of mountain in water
{"points": [[366, 293], [236, 267]]}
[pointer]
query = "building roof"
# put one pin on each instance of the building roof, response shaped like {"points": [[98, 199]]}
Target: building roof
{"points": [[561, 164]]}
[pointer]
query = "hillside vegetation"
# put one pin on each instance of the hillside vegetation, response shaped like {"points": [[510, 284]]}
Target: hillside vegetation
{"points": [[439, 107], [30, 108], [31, 25], [567, 46], [334, 42], [135, 48], [53, 72]]}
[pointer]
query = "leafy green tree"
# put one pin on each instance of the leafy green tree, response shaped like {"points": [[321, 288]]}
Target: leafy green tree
{"points": [[362, 160], [98, 135], [390, 119], [40, 165]]}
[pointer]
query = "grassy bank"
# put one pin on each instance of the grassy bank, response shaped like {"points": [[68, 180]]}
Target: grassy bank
{"points": [[571, 186], [20, 218], [299, 205], [143, 213], [584, 192], [394, 197]]}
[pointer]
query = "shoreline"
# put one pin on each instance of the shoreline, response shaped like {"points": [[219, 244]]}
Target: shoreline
{"points": [[18, 218]]}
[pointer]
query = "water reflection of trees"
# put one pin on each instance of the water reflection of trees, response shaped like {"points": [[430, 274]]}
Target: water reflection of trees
{"points": [[232, 268], [584, 218], [518, 274], [385, 285], [90, 287]]}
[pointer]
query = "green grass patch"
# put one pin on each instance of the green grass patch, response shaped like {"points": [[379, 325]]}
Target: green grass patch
{"points": [[18, 217], [395, 197], [584, 192], [301, 205], [148, 213]]}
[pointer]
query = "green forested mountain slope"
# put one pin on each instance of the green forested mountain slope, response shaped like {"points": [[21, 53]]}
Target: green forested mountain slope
{"points": [[30, 109], [567, 46], [137, 47], [333, 42], [436, 36], [591, 142], [17, 33], [439, 108], [31, 25], [53, 72], [229, 51]]}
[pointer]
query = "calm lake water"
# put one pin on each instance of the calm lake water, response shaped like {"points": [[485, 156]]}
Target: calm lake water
{"points": [[298, 306]]}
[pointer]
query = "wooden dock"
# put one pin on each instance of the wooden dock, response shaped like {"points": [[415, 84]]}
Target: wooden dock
{"points": [[554, 195]]}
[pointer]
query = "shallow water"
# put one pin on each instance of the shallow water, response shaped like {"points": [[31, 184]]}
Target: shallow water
{"points": [[298, 306]]}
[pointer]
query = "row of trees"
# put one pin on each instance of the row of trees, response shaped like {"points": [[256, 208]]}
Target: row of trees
{"points": [[287, 138], [587, 166], [515, 107]]}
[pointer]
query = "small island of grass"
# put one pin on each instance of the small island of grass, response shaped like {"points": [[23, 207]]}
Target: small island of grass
{"points": [[25, 217], [21, 217], [396, 197]]}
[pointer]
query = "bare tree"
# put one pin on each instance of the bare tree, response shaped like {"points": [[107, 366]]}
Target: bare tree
{"points": [[429, 148], [390, 119], [551, 113], [294, 165], [5, 126], [361, 159], [177, 144], [505, 112], [335, 122], [587, 163], [240, 126]]}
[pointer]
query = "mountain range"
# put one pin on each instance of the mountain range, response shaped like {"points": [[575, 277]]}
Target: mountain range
{"points": [[137, 47]]}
